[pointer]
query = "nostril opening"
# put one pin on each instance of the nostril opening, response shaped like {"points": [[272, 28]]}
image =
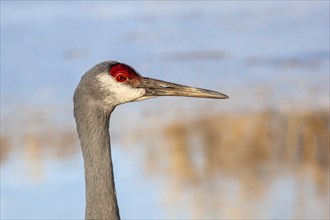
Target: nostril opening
{"points": [[166, 87]]}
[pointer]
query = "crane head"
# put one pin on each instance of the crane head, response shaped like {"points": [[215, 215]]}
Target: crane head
{"points": [[115, 83]]}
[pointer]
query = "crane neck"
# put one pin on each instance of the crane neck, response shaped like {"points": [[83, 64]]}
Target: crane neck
{"points": [[93, 129]]}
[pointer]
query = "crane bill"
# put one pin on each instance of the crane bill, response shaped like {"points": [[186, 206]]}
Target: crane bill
{"points": [[155, 87]]}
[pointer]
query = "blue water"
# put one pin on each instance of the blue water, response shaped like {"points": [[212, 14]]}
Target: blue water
{"points": [[46, 46]]}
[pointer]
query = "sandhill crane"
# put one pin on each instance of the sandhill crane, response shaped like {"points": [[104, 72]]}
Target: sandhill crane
{"points": [[99, 91]]}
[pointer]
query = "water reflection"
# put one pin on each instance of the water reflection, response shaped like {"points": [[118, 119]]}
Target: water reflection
{"points": [[229, 165], [235, 165]]}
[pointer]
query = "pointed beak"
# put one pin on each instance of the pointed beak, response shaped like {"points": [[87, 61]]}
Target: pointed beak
{"points": [[155, 87]]}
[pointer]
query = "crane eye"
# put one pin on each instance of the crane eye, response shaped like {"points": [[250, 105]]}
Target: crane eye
{"points": [[121, 77]]}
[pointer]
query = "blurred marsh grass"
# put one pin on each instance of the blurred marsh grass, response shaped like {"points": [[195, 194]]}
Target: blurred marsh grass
{"points": [[252, 150], [230, 142], [215, 164]]}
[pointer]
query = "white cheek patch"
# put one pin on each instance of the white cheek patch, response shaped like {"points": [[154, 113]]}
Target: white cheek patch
{"points": [[122, 92]]}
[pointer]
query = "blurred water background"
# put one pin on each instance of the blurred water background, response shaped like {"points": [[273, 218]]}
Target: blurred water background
{"points": [[264, 153]]}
